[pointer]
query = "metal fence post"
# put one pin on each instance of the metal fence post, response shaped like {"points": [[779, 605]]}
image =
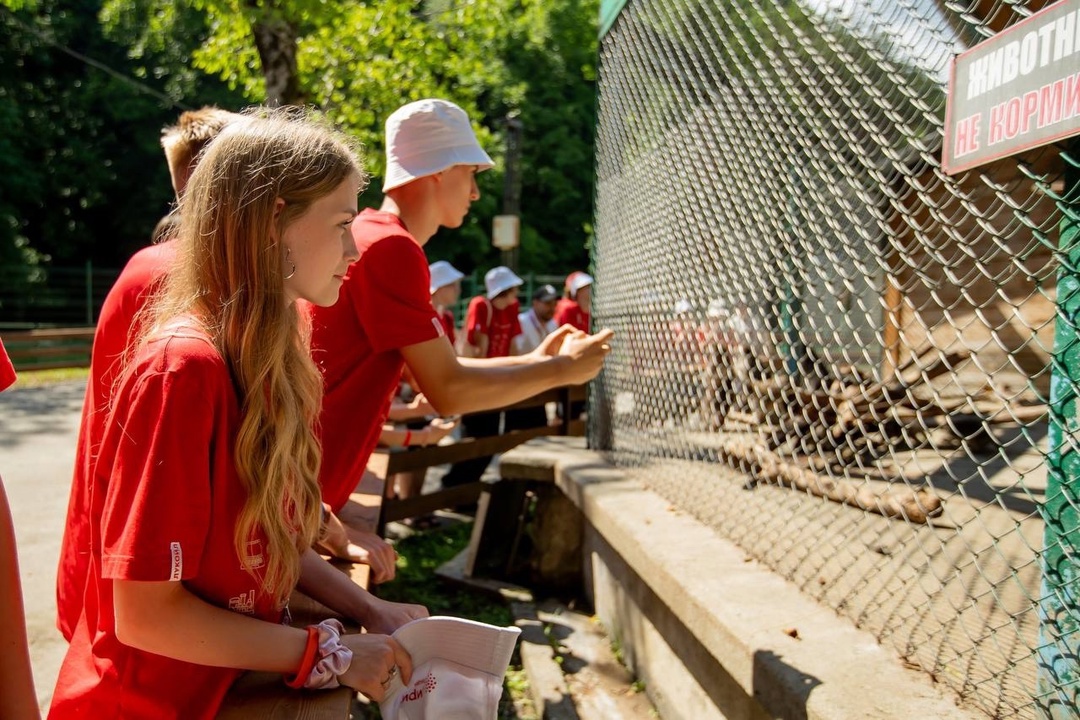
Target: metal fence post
{"points": [[1059, 609]]}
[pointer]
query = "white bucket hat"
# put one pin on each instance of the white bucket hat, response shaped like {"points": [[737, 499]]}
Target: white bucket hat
{"points": [[442, 274], [499, 280], [426, 137], [577, 280], [458, 669]]}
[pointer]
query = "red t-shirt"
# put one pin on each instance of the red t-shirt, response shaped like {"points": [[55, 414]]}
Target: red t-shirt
{"points": [[384, 305], [447, 320], [164, 502], [117, 327], [7, 370], [568, 311], [501, 326]]}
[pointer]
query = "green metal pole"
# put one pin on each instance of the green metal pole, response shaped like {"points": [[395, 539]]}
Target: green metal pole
{"points": [[1059, 607]]}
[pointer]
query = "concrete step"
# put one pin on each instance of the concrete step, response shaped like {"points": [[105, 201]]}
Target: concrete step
{"points": [[573, 670], [598, 685]]}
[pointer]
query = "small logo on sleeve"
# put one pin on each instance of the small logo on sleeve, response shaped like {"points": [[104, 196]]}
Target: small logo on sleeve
{"points": [[243, 603], [176, 570]]}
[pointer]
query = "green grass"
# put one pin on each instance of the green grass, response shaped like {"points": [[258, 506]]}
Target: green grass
{"points": [[37, 378], [418, 557]]}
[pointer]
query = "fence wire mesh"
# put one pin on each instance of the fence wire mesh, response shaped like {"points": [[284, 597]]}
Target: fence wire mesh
{"points": [[829, 350]]}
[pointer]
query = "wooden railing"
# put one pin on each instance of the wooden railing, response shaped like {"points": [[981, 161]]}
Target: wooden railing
{"points": [[43, 349]]}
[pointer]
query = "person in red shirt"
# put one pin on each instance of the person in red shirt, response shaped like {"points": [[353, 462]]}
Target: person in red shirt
{"points": [[385, 318], [575, 309], [204, 500], [17, 696], [445, 291], [491, 324], [576, 306], [119, 322]]}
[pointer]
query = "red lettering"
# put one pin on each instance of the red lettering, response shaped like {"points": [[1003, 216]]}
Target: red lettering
{"points": [[1012, 118], [967, 135], [1050, 103], [1071, 108], [997, 124], [1030, 103]]}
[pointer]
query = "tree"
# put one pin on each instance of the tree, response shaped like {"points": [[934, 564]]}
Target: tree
{"points": [[360, 61]]}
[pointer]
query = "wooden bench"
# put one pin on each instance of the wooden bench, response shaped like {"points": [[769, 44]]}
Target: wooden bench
{"points": [[43, 349], [385, 462], [264, 695]]}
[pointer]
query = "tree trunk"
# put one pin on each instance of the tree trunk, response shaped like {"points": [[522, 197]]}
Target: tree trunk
{"points": [[275, 39]]}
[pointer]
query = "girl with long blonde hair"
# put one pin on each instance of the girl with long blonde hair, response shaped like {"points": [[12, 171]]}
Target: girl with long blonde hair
{"points": [[205, 502]]}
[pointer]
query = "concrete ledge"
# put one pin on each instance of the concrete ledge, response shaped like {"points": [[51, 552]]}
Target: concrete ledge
{"points": [[712, 634]]}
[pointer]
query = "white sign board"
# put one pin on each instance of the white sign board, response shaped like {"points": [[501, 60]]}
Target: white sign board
{"points": [[1015, 91], [504, 232]]}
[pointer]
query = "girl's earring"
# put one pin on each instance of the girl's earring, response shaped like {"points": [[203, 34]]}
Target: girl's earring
{"points": [[288, 252]]}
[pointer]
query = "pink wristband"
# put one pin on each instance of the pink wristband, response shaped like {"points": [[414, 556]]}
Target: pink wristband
{"points": [[333, 658]]}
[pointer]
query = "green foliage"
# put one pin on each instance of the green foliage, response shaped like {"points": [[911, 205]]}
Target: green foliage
{"points": [[82, 176], [360, 61]]}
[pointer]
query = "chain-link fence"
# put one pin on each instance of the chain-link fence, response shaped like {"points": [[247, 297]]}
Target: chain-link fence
{"points": [[829, 350]]}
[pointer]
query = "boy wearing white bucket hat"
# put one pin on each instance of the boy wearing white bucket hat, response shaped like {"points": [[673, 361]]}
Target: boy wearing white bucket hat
{"points": [[384, 317], [491, 324], [445, 290]]}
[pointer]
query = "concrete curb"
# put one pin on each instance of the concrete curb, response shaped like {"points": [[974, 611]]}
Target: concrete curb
{"points": [[710, 632]]}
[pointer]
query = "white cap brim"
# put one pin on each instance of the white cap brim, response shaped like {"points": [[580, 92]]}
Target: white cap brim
{"points": [[442, 279], [458, 667], [506, 284], [403, 170]]}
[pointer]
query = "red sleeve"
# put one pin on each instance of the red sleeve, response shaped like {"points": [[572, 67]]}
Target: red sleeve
{"points": [[515, 321], [394, 303], [7, 370], [562, 311], [159, 494], [477, 318], [448, 325]]}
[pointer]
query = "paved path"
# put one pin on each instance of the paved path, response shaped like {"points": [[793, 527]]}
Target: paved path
{"points": [[38, 428]]}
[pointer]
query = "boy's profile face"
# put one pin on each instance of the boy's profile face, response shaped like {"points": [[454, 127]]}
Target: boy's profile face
{"points": [[456, 192]]}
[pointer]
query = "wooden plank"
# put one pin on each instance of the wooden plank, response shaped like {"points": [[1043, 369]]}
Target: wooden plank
{"points": [[493, 542], [29, 353], [430, 502], [264, 696], [401, 460], [35, 334]]}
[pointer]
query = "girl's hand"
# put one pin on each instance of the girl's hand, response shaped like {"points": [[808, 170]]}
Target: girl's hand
{"points": [[375, 658], [383, 616]]}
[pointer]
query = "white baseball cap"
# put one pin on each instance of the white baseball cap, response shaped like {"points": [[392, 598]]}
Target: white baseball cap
{"points": [[499, 280], [683, 306], [458, 669], [577, 280], [442, 274], [426, 137]]}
